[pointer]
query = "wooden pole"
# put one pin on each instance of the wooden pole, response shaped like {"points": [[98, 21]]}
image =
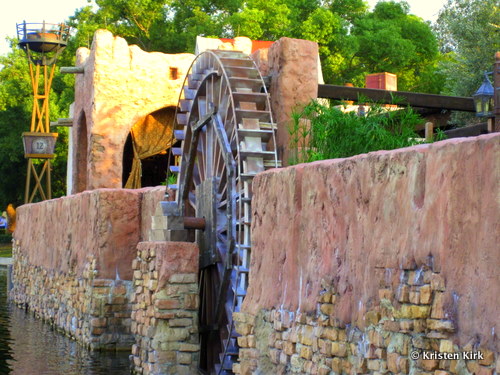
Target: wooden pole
{"points": [[429, 131], [72, 70], [47, 95], [491, 124], [413, 99]]}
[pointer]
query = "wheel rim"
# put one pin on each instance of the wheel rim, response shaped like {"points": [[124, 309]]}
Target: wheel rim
{"points": [[228, 134]]}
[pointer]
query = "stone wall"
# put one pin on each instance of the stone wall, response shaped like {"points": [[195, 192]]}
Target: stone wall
{"points": [[375, 256], [93, 311], [165, 309], [73, 261], [408, 331]]}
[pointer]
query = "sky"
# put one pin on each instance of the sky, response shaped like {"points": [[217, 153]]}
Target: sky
{"points": [[56, 11]]}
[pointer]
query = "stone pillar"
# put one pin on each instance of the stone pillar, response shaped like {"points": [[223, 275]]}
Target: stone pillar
{"points": [[165, 309], [293, 67]]}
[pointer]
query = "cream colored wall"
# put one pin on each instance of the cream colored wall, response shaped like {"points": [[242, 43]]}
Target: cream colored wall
{"points": [[120, 85]]}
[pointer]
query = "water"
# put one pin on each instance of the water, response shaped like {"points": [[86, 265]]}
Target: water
{"points": [[29, 346]]}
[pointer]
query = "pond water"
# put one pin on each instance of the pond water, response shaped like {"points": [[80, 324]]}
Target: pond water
{"points": [[29, 346]]}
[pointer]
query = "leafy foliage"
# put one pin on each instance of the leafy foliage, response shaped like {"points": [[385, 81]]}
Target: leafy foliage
{"points": [[391, 40], [5, 238], [320, 132], [469, 33]]}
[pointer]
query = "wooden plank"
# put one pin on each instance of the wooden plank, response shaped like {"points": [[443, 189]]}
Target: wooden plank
{"points": [[467, 131], [457, 103]]}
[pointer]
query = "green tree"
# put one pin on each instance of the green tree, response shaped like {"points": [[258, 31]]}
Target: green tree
{"points": [[15, 117], [392, 40], [469, 34], [352, 42], [263, 19]]}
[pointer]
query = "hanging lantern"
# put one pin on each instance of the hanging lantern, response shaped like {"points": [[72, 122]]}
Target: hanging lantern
{"points": [[483, 99]]}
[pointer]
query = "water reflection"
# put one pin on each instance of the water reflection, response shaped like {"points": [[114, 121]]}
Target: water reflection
{"points": [[30, 347]]}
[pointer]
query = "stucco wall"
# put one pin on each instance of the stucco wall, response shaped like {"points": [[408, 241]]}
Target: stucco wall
{"points": [[293, 67], [346, 222], [105, 224], [73, 261], [120, 85]]}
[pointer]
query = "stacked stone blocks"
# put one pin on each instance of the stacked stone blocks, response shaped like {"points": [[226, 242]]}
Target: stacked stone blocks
{"points": [[407, 332], [93, 311], [165, 309]]}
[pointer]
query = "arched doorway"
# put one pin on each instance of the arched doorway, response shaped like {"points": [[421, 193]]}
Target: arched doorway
{"points": [[145, 152]]}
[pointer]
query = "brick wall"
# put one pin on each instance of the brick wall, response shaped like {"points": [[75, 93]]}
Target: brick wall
{"points": [[73, 262]]}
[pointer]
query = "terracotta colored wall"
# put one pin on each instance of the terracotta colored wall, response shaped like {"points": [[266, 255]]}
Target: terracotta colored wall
{"points": [[106, 224], [121, 84], [293, 67], [430, 207]]}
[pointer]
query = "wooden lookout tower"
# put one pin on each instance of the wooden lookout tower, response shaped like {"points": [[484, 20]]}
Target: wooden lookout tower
{"points": [[43, 43]]}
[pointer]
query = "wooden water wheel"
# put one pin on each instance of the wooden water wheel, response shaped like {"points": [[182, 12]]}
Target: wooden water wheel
{"points": [[228, 136]]}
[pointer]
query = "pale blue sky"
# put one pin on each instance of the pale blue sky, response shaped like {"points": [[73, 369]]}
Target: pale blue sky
{"points": [[55, 11]]}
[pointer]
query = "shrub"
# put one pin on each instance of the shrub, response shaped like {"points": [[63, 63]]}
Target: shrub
{"points": [[5, 238], [320, 132]]}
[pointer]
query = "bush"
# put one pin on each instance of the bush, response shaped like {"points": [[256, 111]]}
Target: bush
{"points": [[5, 238], [320, 132]]}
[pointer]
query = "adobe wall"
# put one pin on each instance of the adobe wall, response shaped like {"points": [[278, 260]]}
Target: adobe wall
{"points": [[73, 261], [374, 257], [120, 85], [294, 68]]}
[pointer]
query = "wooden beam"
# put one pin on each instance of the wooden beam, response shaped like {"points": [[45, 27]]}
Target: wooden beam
{"points": [[456, 103], [467, 131]]}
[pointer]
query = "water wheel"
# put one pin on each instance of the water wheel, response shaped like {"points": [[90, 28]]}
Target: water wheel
{"points": [[228, 136]]}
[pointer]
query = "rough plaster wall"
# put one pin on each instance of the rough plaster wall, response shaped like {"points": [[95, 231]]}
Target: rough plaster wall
{"points": [[293, 67], [63, 234], [121, 84], [433, 206]]}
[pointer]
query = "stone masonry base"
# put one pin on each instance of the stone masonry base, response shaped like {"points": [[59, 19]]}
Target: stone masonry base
{"points": [[407, 332], [165, 309], [95, 312]]}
